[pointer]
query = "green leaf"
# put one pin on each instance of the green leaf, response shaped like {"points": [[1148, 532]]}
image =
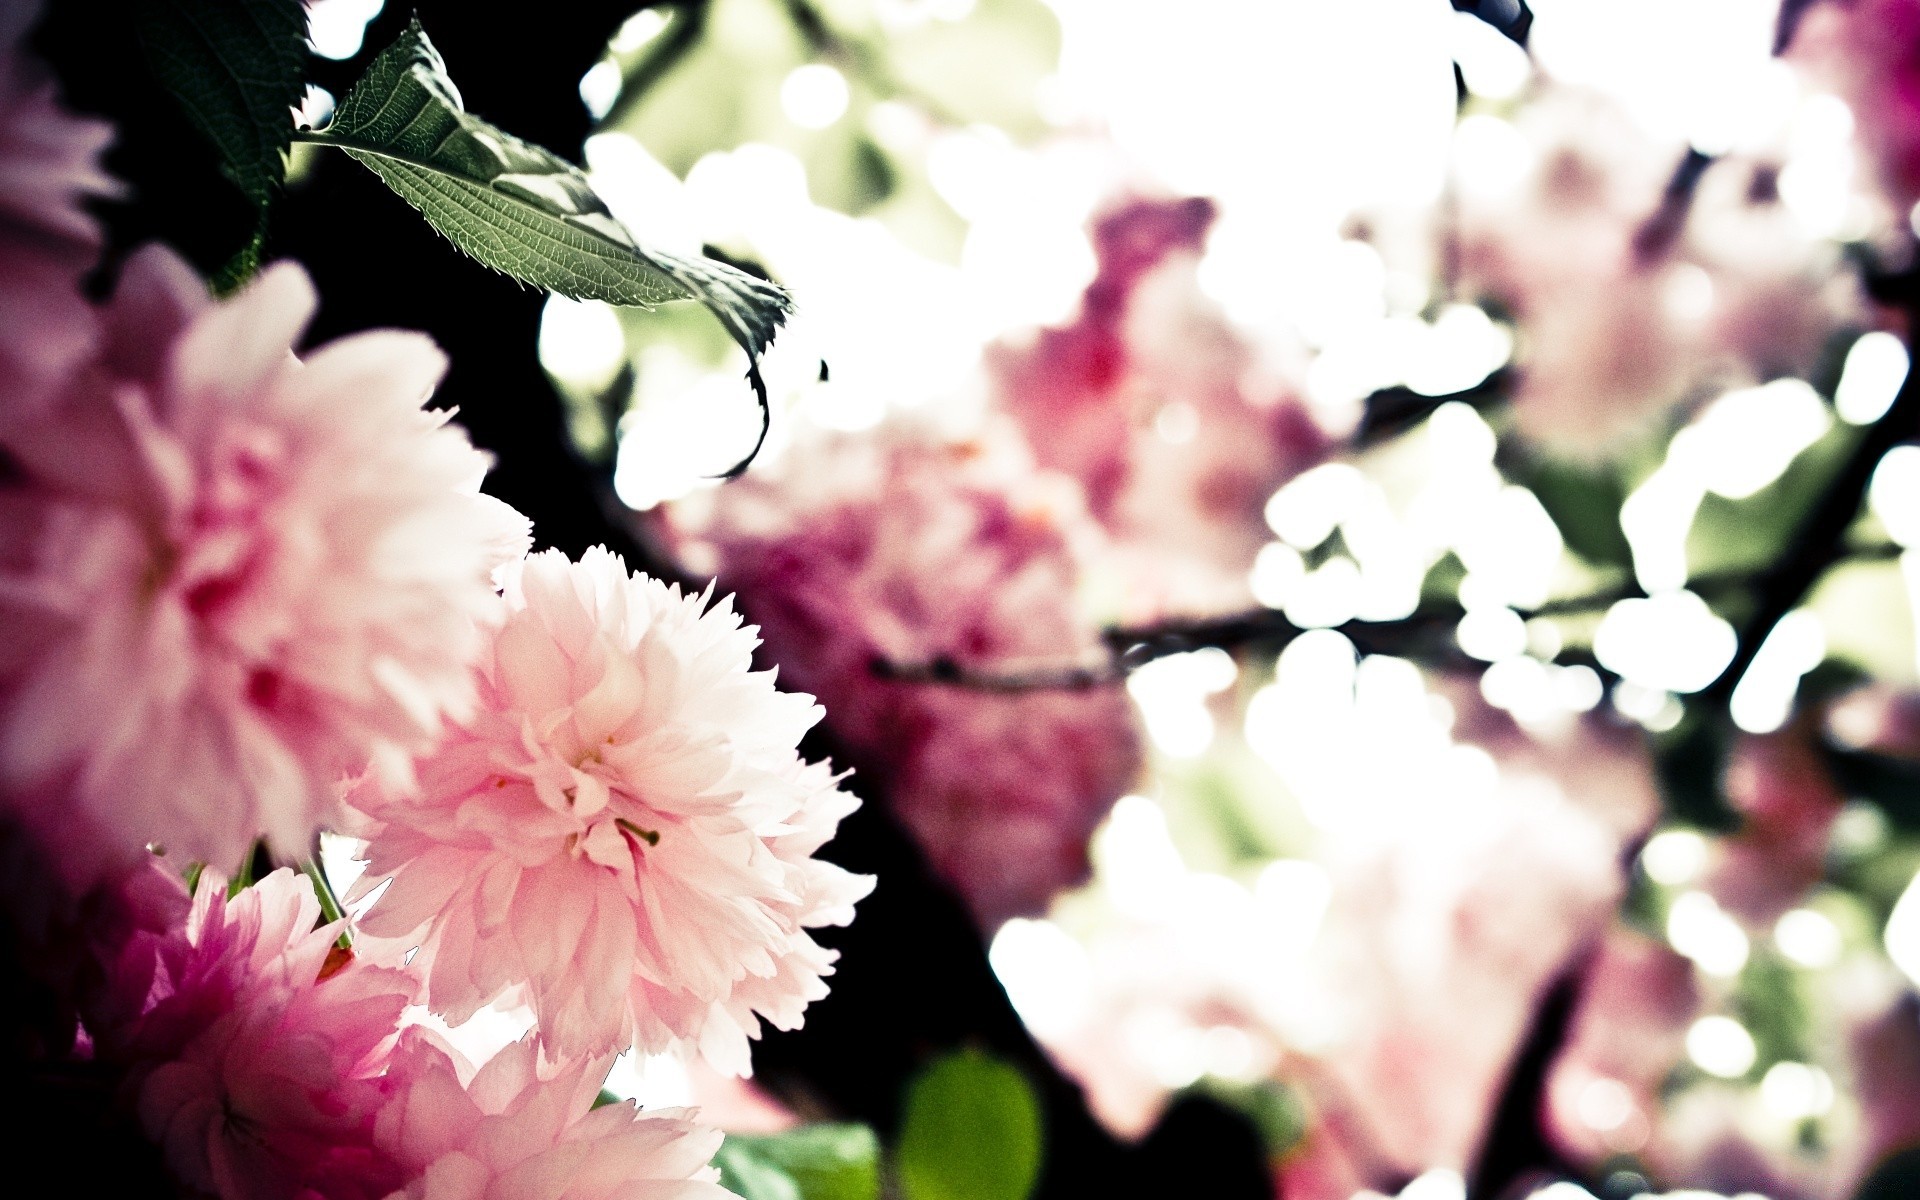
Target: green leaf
{"points": [[748, 1176], [239, 69], [523, 210], [813, 1162], [972, 1132]]}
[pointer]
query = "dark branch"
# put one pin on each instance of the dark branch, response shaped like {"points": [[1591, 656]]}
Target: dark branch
{"points": [[1130, 647], [1819, 541]]}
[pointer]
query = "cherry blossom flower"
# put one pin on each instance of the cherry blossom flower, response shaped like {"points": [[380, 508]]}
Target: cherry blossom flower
{"points": [[505, 1134], [624, 825], [49, 163], [900, 547], [231, 576], [1866, 50], [1177, 425], [1637, 290], [256, 1054]]}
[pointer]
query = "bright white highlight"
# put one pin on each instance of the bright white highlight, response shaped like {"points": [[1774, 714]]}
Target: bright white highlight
{"points": [[1894, 494], [1276, 569], [1795, 1091], [1605, 1105], [1876, 367], [1171, 694], [1764, 698], [1296, 894], [1493, 65], [1670, 642], [1743, 441], [337, 28], [1437, 1184], [581, 341], [600, 87], [1305, 511], [1491, 159], [1903, 932], [814, 95], [1699, 929], [1139, 865], [1721, 1046], [1047, 975], [651, 1080], [1808, 938], [639, 29], [1492, 633], [1674, 857]]}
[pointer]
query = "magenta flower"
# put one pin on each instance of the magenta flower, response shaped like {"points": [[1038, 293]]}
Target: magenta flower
{"points": [[49, 163], [256, 1059], [232, 577], [900, 548], [624, 825], [506, 1135]]}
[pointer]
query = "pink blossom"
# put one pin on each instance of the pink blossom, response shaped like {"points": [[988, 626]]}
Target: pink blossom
{"points": [[624, 825], [1632, 298], [231, 576], [256, 1053], [1177, 425], [1626, 1035], [1869, 51], [1599, 351], [507, 1135], [49, 163], [1788, 801], [899, 547]]}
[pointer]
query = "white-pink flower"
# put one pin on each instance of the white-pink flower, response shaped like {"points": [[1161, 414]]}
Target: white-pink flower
{"points": [[506, 1135], [1175, 422], [49, 163], [624, 826], [232, 577], [255, 1059], [900, 547]]}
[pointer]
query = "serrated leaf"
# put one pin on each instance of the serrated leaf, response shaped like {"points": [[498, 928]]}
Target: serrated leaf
{"points": [[238, 68], [824, 1162], [972, 1132], [525, 211]]}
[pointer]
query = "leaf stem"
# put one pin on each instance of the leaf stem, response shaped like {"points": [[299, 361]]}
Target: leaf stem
{"points": [[330, 909]]}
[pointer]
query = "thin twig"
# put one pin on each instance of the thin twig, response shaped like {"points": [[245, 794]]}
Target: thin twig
{"points": [[1130, 647], [1819, 541]]}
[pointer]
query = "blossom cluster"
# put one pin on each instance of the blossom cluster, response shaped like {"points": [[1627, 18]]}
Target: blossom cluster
{"points": [[250, 594]]}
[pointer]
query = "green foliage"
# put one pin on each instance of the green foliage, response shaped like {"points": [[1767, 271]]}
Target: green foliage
{"points": [[711, 80], [972, 1132], [1690, 760], [1748, 534], [523, 210], [813, 1162], [238, 69], [1584, 503]]}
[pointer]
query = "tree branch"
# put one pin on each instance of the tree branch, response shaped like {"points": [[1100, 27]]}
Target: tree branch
{"points": [[1126, 648]]}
